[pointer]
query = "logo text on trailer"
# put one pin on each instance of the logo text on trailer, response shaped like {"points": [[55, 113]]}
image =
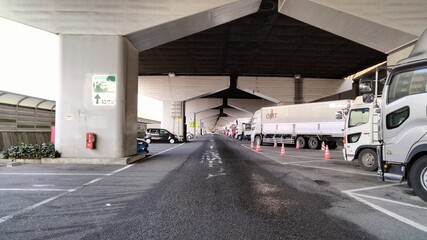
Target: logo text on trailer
{"points": [[271, 115]]}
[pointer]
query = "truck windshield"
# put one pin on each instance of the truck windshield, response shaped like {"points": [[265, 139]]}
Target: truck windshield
{"points": [[407, 83], [358, 117]]}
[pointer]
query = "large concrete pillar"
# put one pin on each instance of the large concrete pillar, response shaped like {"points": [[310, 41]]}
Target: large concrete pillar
{"points": [[97, 93], [172, 117]]}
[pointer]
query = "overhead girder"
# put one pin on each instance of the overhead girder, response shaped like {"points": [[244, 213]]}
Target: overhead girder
{"points": [[202, 104], [250, 105], [283, 90], [236, 113], [147, 24], [376, 24], [181, 88], [208, 113]]}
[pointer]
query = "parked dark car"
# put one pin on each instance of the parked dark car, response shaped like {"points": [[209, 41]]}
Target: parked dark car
{"points": [[141, 146], [160, 135]]}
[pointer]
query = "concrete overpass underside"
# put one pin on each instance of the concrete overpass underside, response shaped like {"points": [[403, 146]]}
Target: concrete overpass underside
{"points": [[241, 54]]}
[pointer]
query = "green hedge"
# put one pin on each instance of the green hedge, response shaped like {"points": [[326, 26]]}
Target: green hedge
{"points": [[29, 151]]}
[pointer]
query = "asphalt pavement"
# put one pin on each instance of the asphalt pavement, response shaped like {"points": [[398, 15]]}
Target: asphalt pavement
{"points": [[209, 188]]}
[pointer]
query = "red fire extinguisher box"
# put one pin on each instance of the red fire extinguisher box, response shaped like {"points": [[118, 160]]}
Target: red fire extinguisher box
{"points": [[90, 140]]}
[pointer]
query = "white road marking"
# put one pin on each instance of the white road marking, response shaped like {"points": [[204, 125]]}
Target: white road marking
{"points": [[215, 175], [27, 209], [389, 213], [167, 150], [43, 185], [296, 156], [371, 188], [58, 174], [390, 201], [336, 170], [119, 170], [290, 163], [323, 168], [358, 196], [34, 189]]}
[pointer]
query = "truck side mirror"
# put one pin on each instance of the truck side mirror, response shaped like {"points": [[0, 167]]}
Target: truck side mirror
{"points": [[338, 115], [365, 88]]}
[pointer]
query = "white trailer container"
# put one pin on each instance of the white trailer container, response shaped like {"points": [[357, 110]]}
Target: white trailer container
{"points": [[308, 124]]}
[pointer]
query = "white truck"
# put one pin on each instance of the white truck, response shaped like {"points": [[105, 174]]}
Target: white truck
{"points": [[308, 124], [402, 154], [361, 133], [243, 128]]}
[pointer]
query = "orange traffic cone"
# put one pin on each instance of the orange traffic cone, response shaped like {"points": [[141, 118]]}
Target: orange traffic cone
{"points": [[327, 155], [297, 146], [252, 145], [323, 146], [282, 151], [275, 144], [258, 147]]}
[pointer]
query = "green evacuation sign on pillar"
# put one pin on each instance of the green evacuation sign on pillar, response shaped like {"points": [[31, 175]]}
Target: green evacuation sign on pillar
{"points": [[104, 90]]}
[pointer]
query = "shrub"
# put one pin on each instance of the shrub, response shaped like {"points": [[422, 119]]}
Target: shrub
{"points": [[30, 151]]}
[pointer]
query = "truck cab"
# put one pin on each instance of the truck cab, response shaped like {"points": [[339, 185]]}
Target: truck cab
{"points": [[403, 132], [361, 133]]}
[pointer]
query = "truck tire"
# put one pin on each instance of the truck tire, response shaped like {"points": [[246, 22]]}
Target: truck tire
{"points": [[313, 143], [302, 142], [172, 140], [368, 159], [418, 177], [148, 140]]}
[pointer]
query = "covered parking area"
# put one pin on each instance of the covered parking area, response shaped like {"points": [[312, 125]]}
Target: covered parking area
{"points": [[266, 52]]}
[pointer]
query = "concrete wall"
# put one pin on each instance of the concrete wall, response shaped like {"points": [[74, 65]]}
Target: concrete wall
{"points": [[81, 58]]}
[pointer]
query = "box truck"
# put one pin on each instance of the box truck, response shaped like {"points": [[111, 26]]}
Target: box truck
{"points": [[402, 154], [306, 124], [243, 128], [361, 132]]}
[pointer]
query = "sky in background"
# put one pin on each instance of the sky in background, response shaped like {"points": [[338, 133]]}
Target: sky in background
{"points": [[29, 66]]}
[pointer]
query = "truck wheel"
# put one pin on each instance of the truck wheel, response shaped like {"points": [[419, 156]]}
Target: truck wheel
{"points": [[368, 159], [313, 143], [418, 178], [148, 140], [258, 140], [172, 140], [302, 142]]}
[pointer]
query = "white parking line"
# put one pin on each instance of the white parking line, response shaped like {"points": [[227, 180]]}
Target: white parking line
{"points": [[34, 189], [335, 170], [27, 209], [371, 188], [290, 163], [389, 213], [167, 150], [56, 174], [316, 167], [390, 201]]}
